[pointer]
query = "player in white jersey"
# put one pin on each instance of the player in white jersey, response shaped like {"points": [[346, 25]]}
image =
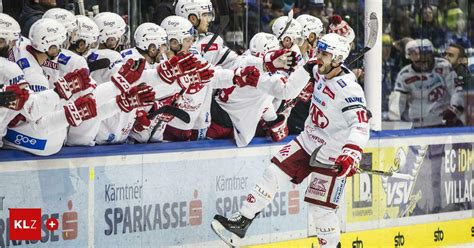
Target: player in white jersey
{"points": [[292, 38], [335, 132], [103, 61], [196, 99], [247, 106], [429, 87], [312, 30]]}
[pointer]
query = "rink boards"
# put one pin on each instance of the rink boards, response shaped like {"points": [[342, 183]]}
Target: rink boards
{"points": [[164, 195]]}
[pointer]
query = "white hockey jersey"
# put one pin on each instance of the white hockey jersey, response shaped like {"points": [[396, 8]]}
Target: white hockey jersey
{"points": [[218, 54], [426, 94], [337, 115], [104, 75]]}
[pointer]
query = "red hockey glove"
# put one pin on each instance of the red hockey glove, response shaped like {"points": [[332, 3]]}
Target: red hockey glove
{"points": [[130, 72], [282, 59], [349, 159], [307, 92], [84, 108], [247, 76], [138, 96], [19, 118], [165, 102], [141, 121], [450, 116], [72, 83], [19, 95], [277, 129], [183, 63]]}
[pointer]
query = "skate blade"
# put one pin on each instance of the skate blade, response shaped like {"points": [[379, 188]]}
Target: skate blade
{"points": [[229, 238]]}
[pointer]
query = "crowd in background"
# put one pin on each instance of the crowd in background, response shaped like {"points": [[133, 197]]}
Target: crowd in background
{"points": [[447, 24]]}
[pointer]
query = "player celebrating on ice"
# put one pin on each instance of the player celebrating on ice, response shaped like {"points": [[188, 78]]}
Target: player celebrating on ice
{"points": [[329, 148]]}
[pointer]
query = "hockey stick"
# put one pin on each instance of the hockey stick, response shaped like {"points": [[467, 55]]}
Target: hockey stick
{"points": [[288, 23], [171, 110], [313, 162], [223, 22], [373, 26], [82, 10]]}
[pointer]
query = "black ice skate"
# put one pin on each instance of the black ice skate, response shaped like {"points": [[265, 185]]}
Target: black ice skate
{"points": [[228, 228]]}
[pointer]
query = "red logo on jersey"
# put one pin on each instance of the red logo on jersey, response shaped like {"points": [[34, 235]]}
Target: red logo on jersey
{"points": [[328, 92], [436, 94], [318, 117], [194, 88], [415, 78], [251, 198], [439, 71], [285, 150], [213, 47], [225, 93], [50, 64]]}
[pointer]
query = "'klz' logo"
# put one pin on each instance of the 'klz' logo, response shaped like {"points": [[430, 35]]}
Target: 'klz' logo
{"points": [[357, 243], [438, 235], [25, 223], [399, 240]]}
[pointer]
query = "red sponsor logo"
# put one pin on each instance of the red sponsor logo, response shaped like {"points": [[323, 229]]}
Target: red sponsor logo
{"points": [[194, 88], [436, 94], [328, 92], [322, 241], [25, 223], [294, 201], [250, 198], [50, 64], [285, 150], [213, 47], [195, 210], [225, 93], [318, 118], [415, 78]]}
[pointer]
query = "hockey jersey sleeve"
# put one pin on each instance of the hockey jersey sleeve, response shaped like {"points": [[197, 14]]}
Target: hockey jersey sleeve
{"points": [[397, 101], [222, 78], [355, 113], [281, 87], [455, 88], [218, 54]]}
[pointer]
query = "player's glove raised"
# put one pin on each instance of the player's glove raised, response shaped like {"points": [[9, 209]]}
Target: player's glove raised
{"points": [[247, 76], [182, 63], [138, 96], [450, 116], [283, 59], [348, 161], [72, 83], [128, 74], [14, 96], [84, 108]]}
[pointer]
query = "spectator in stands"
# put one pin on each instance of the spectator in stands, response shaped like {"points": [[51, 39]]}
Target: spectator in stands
{"points": [[317, 8], [459, 34], [389, 72], [429, 27], [32, 11], [456, 55], [427, 89], [402, 23]]}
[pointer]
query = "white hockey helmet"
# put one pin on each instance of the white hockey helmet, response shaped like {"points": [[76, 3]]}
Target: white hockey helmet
{"points": [[64, 17], [149, 33], [294, 31], [310, 25], [418, 45], [335, 44], [110, 25], [341, 27], [178, 28], [45, 33], [262, 43], [184, 8], [9, 28], [87, 31]]}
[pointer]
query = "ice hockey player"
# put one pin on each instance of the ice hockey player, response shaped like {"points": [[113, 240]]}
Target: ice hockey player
{"points": [[312, 30], [335, 133], [430, 88]]}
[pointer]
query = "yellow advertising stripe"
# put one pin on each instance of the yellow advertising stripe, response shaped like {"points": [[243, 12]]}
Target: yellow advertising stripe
{"points": [[438, 234]]}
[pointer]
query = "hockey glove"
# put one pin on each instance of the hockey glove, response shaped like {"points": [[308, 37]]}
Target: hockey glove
{"points": [[130, 72], [19, 118], [307, 92], [162, 103], [84, 108], [450, 116], [349, 159], [202, 75], [138, 96], [141, 121], [247, 76], [183, 63], [279, 60], [277, 129], [15, 96], [72, 83]]}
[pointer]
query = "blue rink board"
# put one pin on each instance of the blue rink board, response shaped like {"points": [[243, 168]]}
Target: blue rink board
{"points": [[130, 149]]}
